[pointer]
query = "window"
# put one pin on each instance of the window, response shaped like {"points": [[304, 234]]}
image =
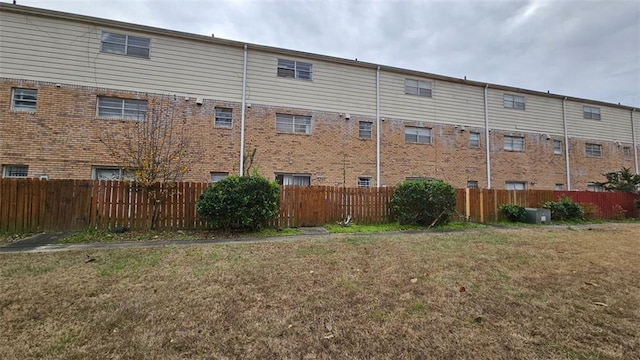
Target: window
{"points": [[593, 150], [626, 152], [590, 112], [513, 101], [24, 99], [293, 179], [417, 135], [294, 69], [513, 143], [224, 117], [364, 182], [516, 185], [112, 173], [125, 44], [472, 184], [364, 130], [594, 186], [559, 187], [293, 123], [114, 108], [474, 140], [415, 178], [217, 176], [417, 87], [15, 171], [557, 147]]}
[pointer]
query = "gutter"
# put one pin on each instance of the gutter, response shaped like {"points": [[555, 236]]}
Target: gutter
{"points": [[244, 106], [486, 134], [378, 127], [635, 142], [566, 142]]}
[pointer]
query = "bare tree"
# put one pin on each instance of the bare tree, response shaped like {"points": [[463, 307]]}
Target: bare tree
{"points": [[157, 149]]}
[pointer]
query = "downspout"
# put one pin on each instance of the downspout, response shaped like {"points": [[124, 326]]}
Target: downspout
{"points": [[635, 142], [378, 127], [244, 106], [566, 142], [486, 134]]}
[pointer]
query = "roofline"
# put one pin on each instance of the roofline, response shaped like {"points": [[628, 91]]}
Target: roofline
{"points": [[28, 10]]}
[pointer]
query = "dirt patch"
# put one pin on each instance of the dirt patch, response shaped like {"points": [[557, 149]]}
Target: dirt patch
{"points": [[552, 293]]}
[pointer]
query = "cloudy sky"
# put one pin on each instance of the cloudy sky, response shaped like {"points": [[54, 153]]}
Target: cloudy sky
{"points": [[582, 48]]}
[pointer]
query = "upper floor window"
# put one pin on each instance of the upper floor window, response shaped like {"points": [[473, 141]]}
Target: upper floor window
{"points": [[557, 147], [417, 87], [224, 117], [516, 185], [593, 150], [15, 171], [513, 143], [293, 123], [474, 140], [590, 112], [294, 69], [24, 99], [125, 44], [217, 176], [364, 182], [417, 135], [115, 108], [365, 129], [112, 173], [293, 179], [626, 152], [513, 101]]}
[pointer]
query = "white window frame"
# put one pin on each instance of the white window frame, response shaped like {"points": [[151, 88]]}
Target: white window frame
{"points": [[295, 69], [511, 101], [595, 187], [557, 147], [216, 176], [118, 108], [418, 87], [591, 112], [123, 44], [118, 173], [365, 129], [515, 185], [513, 143], [293, 179], [11, 171], [364, 182], [626, 152], [559, 187], [293, 124], [472, 184], [474, 140], [24, 99], [422, 135], [593, 150], [223, 117], [415, 178]]}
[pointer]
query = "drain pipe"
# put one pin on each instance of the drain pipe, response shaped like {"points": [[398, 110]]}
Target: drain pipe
{"points": [[244, 106], [378, 127], [486, 134], [635, 142], [566, 142]]}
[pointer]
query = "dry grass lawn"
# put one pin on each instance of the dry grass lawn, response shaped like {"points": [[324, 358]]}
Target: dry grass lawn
{"points": [[536, 293]]}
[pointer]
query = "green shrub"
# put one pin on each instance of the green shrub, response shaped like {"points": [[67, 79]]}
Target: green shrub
{"points": [[513, 212], [564, 209], [423, 202], [239, 203]]}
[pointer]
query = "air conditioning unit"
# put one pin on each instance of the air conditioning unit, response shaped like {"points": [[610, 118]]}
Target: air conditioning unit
{"points": [[537, 216]]}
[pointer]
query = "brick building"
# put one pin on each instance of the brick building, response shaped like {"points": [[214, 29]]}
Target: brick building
{"points": [[66, 80]]}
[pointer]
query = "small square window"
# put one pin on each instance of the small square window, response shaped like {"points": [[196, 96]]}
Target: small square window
{"points": [[364, 182], [516, 185], [365, 129], [417, 87], [590, 112], [513, 143], [594, 186], [24, 99], [472, 184], [15, 171], [626, 152], [417, 135], [593, 150], [217, 176], [513, 101], [224, 117], [474, 140], [559, 187], [557, 147]]}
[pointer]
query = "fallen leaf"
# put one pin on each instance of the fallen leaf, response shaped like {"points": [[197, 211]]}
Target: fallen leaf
{"points": [[311, 272], [462, 289], [414, 280], [328, 326], [590, 283], [600, 304], [328, 336], [478, 319], [90, 260]]}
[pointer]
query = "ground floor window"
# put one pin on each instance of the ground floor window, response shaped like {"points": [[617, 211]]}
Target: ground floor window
{"points": [[293, 179], [472, 184], [217, 176], [364, 182], [112, 173], [516, 185], [595, 187], [15, 171], [559, 187]]}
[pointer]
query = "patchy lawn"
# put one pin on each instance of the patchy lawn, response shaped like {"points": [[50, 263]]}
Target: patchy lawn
{"points": [[543, 293]]}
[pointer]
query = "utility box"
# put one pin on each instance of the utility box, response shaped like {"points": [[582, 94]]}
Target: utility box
{"points": [[537, 216]]}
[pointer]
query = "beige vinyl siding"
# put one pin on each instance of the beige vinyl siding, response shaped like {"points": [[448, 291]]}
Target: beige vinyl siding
{"points": [[72, 49], [334, 87], [541, 114], [614, 124], [449, 103]]}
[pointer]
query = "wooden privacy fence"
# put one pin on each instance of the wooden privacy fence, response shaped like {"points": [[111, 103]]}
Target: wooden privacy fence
{"points": [[29, 205]]}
